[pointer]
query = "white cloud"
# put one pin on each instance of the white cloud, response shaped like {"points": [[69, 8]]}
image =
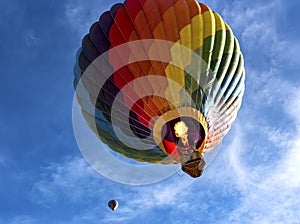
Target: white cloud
{"points": [[22, 220], [269, 186], [69, 179], [77, 182], [269, 191], [277, 136]]}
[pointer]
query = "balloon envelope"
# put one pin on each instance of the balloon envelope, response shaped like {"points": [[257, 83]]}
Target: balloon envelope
{"points": [[113, 204], [148, 65]]}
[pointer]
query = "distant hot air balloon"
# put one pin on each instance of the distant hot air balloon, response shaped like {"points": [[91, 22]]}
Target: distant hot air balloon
{"points": [[166, 78], [113, 204]]}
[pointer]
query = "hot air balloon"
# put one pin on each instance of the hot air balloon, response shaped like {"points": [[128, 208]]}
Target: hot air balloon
{"points": [[113, 204], [166, 79]]}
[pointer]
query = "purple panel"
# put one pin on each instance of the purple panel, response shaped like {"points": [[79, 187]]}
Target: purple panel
{"points": [[89, 48], [106, 97], [83, 62], [99, 38]]}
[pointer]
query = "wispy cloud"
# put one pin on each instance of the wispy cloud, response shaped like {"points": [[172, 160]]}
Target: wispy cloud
{"points": [[273, 195], [269, 190], [21, 220], [77, 182], [74, 179], [263, 157]]}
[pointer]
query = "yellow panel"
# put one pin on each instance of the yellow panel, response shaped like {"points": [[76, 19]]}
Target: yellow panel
{"points": [[197, 32], [180, 56], [172, 94], [227, 27], [209, 24], [219, 22], [175, 73], [185, 36]]}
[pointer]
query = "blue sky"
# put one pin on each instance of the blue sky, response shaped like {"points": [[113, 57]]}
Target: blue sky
{"points": [[45, 179]]}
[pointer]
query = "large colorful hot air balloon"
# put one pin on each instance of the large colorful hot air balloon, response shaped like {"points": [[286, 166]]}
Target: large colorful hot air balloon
{"points": [[166, 78]]}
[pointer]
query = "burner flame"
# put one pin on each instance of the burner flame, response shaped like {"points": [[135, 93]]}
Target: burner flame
{"points": [[181, 131]]}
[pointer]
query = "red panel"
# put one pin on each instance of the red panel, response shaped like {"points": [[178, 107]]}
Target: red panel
{"points": [[142, 116], [122, 77], [204, 8], [194, 8], [133, 7], [115, 36], [124, 23], [165, 5], [170, 147]]}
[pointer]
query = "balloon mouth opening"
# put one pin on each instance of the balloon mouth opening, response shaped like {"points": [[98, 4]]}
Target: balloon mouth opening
{"points": [[191, 159], [181, 134]]}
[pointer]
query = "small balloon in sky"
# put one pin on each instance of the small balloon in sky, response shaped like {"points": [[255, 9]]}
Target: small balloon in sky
{"points": [[113, 204]]}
